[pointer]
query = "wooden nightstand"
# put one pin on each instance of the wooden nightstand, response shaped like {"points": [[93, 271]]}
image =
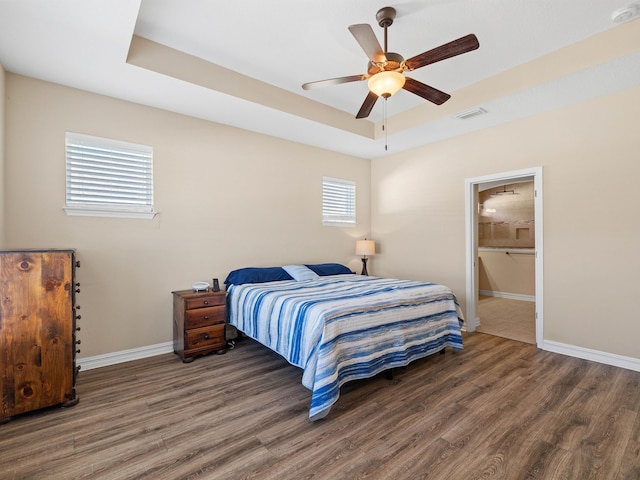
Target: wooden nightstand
{"points": [[198, 323]]}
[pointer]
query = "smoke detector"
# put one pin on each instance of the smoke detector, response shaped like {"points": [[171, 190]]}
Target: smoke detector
{"points": [[625, 14]]}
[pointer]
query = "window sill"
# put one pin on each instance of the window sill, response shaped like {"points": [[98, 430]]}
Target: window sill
{"points": [[338, 224], [108, 212]]}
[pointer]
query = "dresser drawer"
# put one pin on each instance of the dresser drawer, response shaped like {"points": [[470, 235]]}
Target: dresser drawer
{"points": [[203, 317], [204, 301], [204, 337]]}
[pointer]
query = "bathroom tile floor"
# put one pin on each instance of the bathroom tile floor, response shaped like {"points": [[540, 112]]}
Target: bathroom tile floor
{"points": [[503, 317]]}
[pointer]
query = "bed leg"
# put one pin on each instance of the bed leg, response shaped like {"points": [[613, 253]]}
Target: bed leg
{"points": [[390, 374], [442, 351]]}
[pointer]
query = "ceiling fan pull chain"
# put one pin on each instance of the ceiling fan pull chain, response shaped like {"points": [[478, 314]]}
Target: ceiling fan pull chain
{"points": [[384, 122]]}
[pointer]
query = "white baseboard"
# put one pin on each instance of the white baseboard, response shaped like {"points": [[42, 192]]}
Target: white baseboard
{"points": [[122, 356], [621, 361], [510, 296]]}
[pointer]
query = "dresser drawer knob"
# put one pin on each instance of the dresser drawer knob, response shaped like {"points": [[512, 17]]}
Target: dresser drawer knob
{"points": [[206, 302], [206, 336], [206, 317]]}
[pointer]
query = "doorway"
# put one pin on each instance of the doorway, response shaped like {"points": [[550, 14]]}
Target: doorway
{"points": [[472, 232]]}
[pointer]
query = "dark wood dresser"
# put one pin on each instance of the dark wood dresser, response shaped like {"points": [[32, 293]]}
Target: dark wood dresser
{"points": [[198, 323], [37, 330]]}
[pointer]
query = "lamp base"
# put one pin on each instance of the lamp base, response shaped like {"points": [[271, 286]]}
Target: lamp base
{"points": [[364, 266]]}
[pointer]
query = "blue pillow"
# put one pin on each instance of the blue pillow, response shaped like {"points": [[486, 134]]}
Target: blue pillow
{"points": [[329, 269], [256, 275], [300, 272]]}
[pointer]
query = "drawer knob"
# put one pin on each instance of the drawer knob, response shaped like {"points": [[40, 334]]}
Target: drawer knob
{"points": [[206, 302], [206, 317], [206, 336]]}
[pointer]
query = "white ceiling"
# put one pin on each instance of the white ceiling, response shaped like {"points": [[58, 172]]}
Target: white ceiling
{"points": [[285, 43]]}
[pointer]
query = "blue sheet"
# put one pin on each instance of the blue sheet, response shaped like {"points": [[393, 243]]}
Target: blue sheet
{"points": [[346, 327]]}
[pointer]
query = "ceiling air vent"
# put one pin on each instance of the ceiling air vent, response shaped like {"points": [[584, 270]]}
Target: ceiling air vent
{"points": [[471, 113]]}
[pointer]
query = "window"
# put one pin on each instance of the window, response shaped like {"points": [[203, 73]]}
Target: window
{"points": [[108, 178], [338, 202]]}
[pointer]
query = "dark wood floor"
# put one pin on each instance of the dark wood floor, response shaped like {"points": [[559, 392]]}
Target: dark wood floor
{"points": [[499, 409]]}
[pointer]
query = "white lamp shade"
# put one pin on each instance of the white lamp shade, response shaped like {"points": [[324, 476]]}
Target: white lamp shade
{"points": [[385, 84], [365, 247]]}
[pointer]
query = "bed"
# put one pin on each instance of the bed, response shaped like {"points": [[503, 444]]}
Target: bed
{"points": [[337, 326]]}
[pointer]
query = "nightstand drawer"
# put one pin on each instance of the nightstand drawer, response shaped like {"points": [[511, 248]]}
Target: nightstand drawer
{"points": [[204, 337], [203, 317], [204, 301]]}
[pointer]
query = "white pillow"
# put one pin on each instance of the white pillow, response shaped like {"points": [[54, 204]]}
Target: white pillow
{"points": [[300, 272]]}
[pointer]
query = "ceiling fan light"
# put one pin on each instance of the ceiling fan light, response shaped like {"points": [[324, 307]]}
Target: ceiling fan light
{"points": [[385, 84]]}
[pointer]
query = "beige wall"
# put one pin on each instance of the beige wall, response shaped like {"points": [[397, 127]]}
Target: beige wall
{"points": [[502, 273], [218, 212], [591, 257], [227, 198], [2, 123]]}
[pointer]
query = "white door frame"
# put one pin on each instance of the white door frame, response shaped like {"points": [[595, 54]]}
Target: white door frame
{"points": [[471, 244]]}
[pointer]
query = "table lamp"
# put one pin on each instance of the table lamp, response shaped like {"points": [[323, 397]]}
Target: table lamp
{"points": [[365, 248]]}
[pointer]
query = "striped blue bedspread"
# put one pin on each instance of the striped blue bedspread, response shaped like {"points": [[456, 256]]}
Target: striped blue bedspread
{"points": [[346, 327]]}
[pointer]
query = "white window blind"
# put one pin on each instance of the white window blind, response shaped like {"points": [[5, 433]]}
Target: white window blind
{"points": [[338, 202], [108, 177]]}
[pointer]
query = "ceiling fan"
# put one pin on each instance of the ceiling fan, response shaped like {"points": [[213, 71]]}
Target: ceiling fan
{"points": [[385, 70]]}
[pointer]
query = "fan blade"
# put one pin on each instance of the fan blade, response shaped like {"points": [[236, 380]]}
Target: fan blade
{"points": [[334, 81], [367, 106], [448, 50], [364, 35], [425, 91]]}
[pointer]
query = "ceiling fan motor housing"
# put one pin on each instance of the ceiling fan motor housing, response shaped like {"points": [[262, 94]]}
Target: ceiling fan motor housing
{"points": [[395, 61]]}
